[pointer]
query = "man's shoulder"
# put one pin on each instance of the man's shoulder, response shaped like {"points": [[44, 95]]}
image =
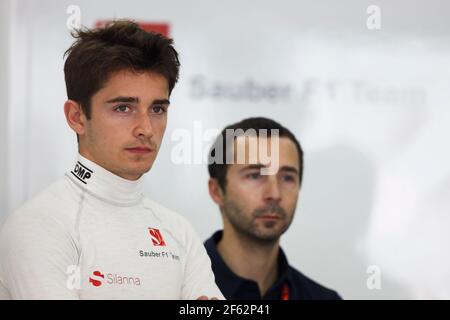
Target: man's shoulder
{"points": [[53, 203], [310, 289]]}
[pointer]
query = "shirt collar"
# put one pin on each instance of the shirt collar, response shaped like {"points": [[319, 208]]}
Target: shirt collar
{"points": [[104, 184], [229, 282]]}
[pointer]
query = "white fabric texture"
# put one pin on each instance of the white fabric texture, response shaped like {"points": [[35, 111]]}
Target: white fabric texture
{"points": [[93, 235]]}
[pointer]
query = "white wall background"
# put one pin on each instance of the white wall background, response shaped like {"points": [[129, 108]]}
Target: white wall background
{"points": [[370, 108], [4, 94]]}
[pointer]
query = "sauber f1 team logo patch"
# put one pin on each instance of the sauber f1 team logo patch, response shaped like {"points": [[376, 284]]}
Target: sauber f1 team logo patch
{"points": [[157, 238]]}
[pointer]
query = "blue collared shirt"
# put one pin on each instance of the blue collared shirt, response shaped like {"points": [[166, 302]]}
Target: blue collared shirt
{"points": [[290, 281]]}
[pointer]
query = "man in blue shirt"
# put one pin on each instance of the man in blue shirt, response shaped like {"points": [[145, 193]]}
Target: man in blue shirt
{"points": [[255, 169]]}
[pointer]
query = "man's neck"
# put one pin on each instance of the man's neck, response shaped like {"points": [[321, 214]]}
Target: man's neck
{"points": [[104, 184], [250, 259]]}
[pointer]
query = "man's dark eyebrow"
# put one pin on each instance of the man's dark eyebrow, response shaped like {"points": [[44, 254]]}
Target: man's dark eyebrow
{"points": [[124, 99], [289, 169], [136, 100], [259, 166], [252, 167], [161, 101]]}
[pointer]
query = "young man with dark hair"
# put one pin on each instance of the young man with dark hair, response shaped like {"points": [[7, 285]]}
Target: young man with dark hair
{"points": [[93, 235], [257, 207]]}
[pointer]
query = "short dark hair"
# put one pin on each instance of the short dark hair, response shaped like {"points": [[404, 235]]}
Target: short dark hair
{"points": [[218, 169], [120, 45]]}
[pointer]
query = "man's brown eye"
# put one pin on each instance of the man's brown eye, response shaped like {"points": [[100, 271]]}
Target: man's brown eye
{"points": [[158, 109], [122, 108], [289, 178], [253, 176]]}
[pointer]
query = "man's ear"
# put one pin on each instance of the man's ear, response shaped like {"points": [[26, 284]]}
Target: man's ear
{"points": [[215, 191], [75, 116]]}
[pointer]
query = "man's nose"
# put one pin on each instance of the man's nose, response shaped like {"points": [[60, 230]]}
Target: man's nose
{"points": [[272, 189], [144, 127]]}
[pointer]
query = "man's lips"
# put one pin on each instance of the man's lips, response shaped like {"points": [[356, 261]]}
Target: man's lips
{"points": [[139, 150], [270, 217]]}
